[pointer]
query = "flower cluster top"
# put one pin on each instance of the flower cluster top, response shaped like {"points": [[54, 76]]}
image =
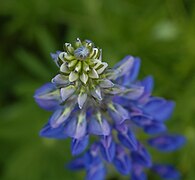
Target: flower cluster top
{"points": [[88, 98]]}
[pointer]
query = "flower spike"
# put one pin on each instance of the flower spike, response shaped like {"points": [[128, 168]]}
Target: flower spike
{"points": [[89, 98]]}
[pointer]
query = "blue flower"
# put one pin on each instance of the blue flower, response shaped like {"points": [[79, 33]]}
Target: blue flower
{"points": [[87, 98]]}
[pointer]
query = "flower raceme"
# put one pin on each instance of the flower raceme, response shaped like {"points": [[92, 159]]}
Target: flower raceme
{"points": [[88, 98]]}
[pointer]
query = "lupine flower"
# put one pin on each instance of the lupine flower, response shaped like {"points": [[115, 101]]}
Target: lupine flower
{"points": [[89, 98]]}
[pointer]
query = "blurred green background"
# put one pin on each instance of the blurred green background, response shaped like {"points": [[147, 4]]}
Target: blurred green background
{"points": [[161, 32]]}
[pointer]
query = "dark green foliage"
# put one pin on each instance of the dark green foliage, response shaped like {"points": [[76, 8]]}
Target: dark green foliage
{"points": [[161, 32]]}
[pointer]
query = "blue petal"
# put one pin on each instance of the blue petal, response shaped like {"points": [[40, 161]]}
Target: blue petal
{"points": [[54, 56], [60, 116], [132, 74], [159, 108], [99, 127], [147, 83], [49, 132], [77, 164], [166, 171], [134, 70], [118, 113], [140, 176], [92, 157], [121, 100], [122, 161], [93, 164], [153, 104], [79, 145], [135, 93], [142, 157], [96, 172], [127, 70], [48, 97], [137, 172], [128, 139], [76, 127], [141, 119], [167, 143], [155, 127], [107, 148]]}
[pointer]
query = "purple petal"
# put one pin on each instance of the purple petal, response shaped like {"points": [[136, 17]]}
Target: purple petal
{"points": [[49, 132], [107, 148], [166, 171], [48, 97], [167, 143], [79, 145]]}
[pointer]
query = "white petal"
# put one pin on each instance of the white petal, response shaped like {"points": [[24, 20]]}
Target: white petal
{"points": [[85, 67], [98, 63], [105, 83], [62, 55], [72, 63], [100, 58], [64, 69], [60, 79], [67, 92], [84, 78], [96, 93], [73, 76], [78, 43], [82, 99], [101, 70], [93, 74], [78, 67], [68, 57]]}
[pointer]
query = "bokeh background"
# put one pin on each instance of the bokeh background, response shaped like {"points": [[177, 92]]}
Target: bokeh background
{"points": [[161, 32]]}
